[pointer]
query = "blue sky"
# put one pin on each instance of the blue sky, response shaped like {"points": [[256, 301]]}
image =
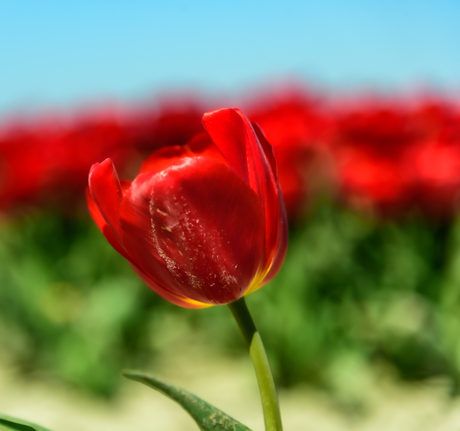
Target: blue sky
{"points": [[56, 53]]}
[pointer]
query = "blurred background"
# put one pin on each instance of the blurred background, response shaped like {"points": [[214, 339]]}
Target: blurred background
{"points": [[361, 102]]}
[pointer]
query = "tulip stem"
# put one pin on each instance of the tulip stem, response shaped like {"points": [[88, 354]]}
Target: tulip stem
{"points": [[259, 359]]}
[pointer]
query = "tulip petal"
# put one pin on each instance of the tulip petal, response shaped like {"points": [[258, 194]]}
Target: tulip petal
{"points": [[254, 161], [104, 183], [200, 145], [164, 157], [268, 149], [106, 192], [228, 132], [103, 226], [281, 244], [282, 241], [196, 229]]}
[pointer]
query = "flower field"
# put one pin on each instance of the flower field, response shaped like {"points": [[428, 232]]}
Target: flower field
{"points": [[371, 279]]}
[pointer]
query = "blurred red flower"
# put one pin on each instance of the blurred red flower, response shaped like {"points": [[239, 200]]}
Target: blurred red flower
{"points": [[85, 140], [47, 161], [22, 161], [296, 126], [369, 148], [398, 157], [434, 163], [201, 224], [172, 121]]}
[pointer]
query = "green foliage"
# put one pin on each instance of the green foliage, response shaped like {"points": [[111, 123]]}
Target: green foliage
{"points": [[373, 292], [69, 305], [352, 293]]}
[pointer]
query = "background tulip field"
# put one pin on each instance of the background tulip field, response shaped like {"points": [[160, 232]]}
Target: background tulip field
{"points": [[372, 188]]}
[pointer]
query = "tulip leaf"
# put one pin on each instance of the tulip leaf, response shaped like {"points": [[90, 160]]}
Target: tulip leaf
{"points": [[207, 417], [8, 423]]}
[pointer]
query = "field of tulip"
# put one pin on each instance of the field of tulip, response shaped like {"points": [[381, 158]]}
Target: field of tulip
{"points": [[371, 279]]}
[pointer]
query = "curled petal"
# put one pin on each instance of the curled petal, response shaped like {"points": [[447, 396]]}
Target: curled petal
{"points": [[268, 149], [104, 227], [280, 224], [106, 192], [254, 161]]}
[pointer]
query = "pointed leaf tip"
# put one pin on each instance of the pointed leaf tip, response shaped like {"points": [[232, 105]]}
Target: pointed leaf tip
{"points": [[7, 423], [206, 416]]}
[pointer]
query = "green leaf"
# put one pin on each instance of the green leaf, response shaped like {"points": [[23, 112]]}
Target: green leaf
{"points": [[207, 417], [8, 423]]}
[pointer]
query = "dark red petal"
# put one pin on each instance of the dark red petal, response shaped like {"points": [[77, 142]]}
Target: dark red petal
{"points": [[94, 212], [281, 246], [268, 149], [233, 134], [105, 190], [103, 226], [196, 229]]}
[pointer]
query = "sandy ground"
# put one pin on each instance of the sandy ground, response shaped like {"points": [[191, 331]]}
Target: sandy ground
{"points": [[229, 385]]}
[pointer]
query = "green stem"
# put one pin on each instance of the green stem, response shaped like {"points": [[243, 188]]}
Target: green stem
{"points": [[259, 359]]}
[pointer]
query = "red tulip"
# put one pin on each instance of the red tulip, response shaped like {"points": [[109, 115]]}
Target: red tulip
{"points": [[22, 162], [202, 224], [435, 166], [370, 145]]}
